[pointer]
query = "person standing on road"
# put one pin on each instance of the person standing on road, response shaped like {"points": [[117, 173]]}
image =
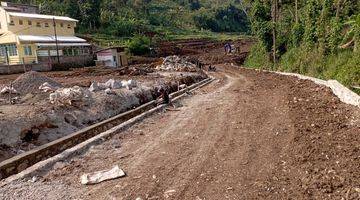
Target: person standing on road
{"points": [[228, 48]]}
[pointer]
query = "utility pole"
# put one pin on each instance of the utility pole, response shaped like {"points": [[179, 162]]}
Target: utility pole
{"points": [[56, 41]]}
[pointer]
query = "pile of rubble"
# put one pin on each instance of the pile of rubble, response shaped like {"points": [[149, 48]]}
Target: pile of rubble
{"points": [[8, 89], [30, 82], [112, 84], [176, 63], [34, 82], [69, 96]]}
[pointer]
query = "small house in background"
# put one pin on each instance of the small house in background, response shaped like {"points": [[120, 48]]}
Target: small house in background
{"points": [[111, 57]]}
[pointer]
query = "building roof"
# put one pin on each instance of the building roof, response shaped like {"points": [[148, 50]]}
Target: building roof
{"points": [[38, 16], [62, 44], [13, 9], [49, 38]]}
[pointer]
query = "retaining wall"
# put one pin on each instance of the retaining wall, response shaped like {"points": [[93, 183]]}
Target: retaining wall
{"points": [[49, 63], [343, 93], [20, 68], [67, 62]]}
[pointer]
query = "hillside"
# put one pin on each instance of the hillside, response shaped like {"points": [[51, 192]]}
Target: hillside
{"points": [[319, 38], [111, 20]]}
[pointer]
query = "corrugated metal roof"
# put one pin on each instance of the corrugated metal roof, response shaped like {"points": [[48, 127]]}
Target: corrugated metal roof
{"points": [[49, 38], [61, 44], [38, 16]]}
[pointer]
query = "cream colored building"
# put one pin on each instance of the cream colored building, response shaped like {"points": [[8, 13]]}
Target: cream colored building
{"points": [[28, 37]]}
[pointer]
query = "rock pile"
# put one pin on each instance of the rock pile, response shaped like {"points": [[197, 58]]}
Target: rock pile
{"points": [[176, 63], [7, 90], [46, 87], [112, 84], [69, 96], [30, 82]]}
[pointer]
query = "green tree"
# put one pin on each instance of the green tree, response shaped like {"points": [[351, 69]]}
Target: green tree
{"points": [[311, 15]]}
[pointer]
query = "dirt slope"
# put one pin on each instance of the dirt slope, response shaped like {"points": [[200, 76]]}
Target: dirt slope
{"points": [[249, 135]]}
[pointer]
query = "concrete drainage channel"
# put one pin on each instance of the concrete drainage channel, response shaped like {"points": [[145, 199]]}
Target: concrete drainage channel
{"points": [[27, 163]]}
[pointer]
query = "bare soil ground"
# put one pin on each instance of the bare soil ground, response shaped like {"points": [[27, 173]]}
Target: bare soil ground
{"points": [[31, 110], [34, 111], [208, 52], [248, 135]]}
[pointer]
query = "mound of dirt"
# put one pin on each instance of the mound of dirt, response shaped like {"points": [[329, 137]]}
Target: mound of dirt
{"points": [[30, 82]]}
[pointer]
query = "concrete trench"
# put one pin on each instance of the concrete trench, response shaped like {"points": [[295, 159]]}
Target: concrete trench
{"points": [[94, 133]]}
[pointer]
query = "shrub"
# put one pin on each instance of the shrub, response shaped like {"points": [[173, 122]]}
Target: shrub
{"points": [[258, 57], [125, 27], [224, 19], [303, 61], [139, 45], [342, 66]]}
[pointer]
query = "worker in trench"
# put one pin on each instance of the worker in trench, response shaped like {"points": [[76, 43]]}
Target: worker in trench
{"points": [[164, 94]]}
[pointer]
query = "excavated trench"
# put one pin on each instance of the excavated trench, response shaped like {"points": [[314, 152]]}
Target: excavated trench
{"points": [[53, 122], [26, 159]]}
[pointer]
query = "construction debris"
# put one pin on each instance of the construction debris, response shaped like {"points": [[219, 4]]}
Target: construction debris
{"points": [[70, 95], [30, 82], [129, 84], [110, 91], [112, 84], [8, 90], [176, 63], [46, 87], [100, 176]]}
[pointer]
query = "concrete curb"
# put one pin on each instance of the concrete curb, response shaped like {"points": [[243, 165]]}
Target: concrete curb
{"points": [[98, 139], [343, 93]]}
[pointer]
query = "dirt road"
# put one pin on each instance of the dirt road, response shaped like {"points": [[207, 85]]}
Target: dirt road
{"points": [[248, 135]]}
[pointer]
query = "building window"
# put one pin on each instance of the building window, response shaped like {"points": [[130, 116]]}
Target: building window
{"points": [[29, 23], [76, 51], [61, 25], [38, 24], [46, 24], [27, 50], [2, 50], [12, 23], [67, 52], [84, 51], [20, 22], [68, 26], [11, 50]]}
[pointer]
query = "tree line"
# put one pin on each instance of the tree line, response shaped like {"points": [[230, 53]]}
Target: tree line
{"points": [[129, 17], [316, 37]]}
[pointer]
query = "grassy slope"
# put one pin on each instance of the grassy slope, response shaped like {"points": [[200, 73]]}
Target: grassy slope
{"points": [[343, 66]]}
